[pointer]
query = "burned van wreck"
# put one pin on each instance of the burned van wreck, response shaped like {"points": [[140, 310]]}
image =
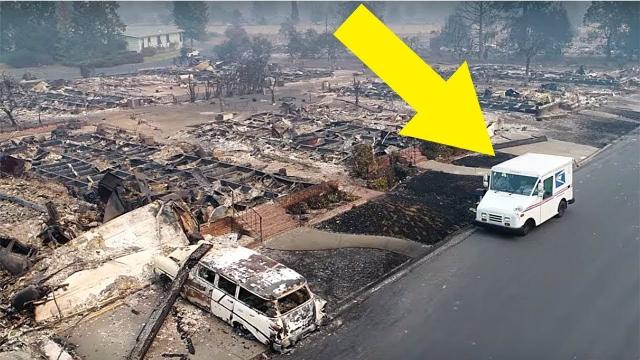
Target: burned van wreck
{"points": [[251, 292]]}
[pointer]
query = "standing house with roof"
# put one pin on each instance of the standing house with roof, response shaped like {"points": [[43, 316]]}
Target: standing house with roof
{"points": [[159, 38]]}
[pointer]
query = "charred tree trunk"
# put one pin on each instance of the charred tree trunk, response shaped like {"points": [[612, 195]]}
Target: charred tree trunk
{"points": [[156, 319], [12, 119], [527, 66]]}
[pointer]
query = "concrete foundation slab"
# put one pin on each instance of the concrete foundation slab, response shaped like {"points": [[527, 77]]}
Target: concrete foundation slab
{"points": [[554, 147]]}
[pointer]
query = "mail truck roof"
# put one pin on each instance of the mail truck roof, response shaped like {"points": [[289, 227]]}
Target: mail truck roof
{"points": [[532, 164]]}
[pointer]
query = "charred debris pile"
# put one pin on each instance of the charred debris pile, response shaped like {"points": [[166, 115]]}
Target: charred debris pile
{"points": [[84, 214], [118, 172], [508, 88], [304, 136], [202, 81]]}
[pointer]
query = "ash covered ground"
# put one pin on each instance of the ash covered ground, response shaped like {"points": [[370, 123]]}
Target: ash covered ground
{"points": [[482, 160], [426, 208], [335, 274], [588, 128]]}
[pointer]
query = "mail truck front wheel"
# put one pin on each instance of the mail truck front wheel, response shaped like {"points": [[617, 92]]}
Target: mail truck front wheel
{"points": [[528, 225], [562, 207]]}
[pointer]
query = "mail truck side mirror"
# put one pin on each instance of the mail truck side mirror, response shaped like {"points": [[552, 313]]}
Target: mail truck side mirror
{"points": [[485, 180]]}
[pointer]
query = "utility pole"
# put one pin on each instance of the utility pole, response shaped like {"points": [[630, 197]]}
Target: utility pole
{"points": [[356, 87]]}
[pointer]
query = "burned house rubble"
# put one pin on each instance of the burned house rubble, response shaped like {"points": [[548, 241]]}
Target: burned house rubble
{"points": [[303, 165], [229, 79], [300, 136], [167, 85], [62, 97], [513, 72], [121, 174], [535, 100]]}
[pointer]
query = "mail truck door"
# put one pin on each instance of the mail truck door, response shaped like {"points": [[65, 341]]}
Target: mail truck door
{"points": [[548, 208]]}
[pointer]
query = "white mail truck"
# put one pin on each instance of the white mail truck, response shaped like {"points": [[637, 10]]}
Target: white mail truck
{"points": [[523, 192]]}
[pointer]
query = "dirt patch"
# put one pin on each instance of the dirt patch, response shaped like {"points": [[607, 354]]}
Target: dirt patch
{"points": [[629, 114], [335, 274], [483, 161], [426, 209]]}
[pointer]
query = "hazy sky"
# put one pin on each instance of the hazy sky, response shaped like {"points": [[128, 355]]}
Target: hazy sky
{"points": [[150, 12]]}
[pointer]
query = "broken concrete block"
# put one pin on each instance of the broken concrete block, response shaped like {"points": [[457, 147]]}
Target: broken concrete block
{"points": [[53, 351]]}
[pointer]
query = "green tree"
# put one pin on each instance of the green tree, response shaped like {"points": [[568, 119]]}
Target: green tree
{"points": [[344, 9], [237, 44], [237, 18], [295, 14], [247, 57], [537, 27], [29, 27], [317, 11], [192, 17], [93, 30], [259, 10], [481, 17], [616, 23], [313, 44], [632, 36], [293, 38], [454, 35]]}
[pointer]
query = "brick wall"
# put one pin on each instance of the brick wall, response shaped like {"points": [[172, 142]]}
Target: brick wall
{"points": [[405, 156], [219, 227]]}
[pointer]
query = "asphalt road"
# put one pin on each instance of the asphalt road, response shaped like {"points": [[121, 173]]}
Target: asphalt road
{"points": [[568, 290]]}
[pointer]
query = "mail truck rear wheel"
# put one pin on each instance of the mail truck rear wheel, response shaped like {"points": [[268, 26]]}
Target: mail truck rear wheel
{"points": [[562, 207]]}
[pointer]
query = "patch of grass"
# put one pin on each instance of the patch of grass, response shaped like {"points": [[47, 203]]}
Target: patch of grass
{"points": [[162, 56]]}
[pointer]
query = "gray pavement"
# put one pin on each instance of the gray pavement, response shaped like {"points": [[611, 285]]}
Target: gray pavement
{"points": [[569, 290], [304, 238]]}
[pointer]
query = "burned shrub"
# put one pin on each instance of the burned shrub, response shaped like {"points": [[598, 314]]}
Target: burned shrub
{"points": [[327, 199], [362, 159], [438, 151], [298, 209], [380, 184], [388, 171]]}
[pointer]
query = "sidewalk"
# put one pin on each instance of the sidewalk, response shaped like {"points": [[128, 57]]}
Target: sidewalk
{"points": [[312, 239], [451, 168]]}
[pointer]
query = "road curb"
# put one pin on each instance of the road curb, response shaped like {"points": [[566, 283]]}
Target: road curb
{"points": [[590, 157], [450, 241]]}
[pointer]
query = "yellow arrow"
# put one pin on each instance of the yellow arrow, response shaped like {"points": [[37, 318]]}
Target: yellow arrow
{"points": [[447, 112]]}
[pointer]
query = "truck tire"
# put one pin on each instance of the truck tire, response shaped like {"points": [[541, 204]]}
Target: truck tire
{"points": [[528, 225], [562, 207]]}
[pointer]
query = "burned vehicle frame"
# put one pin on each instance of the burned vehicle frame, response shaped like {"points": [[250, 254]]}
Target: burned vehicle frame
{"points": [[253, 293]]}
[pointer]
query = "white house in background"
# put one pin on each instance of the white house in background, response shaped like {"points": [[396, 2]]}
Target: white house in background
{"points": [[139, 37]]}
